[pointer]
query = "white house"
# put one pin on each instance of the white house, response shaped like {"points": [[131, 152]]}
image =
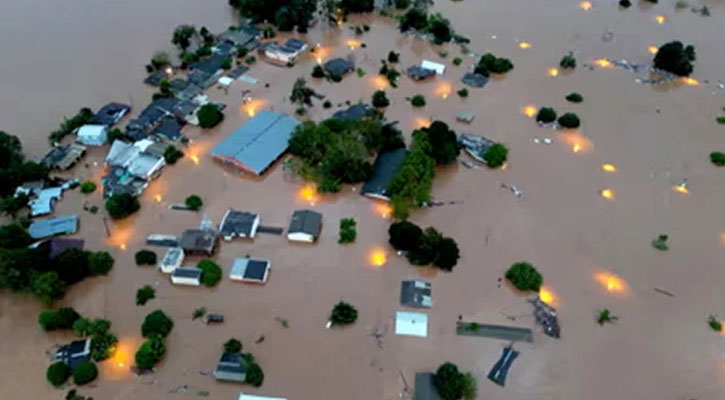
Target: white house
{"points": [[411, 324], [93, 135], [172, 259], [438, 68], [249, 270], [305, 226], [186, 276]]}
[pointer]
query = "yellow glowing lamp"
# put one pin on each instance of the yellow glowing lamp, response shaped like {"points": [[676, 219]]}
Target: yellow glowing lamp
{"points": [[553, 72], [653, 49], [609, 168], [607, 194], [525, 45], [660, 19], [530, 111], [603, 62], [585, 5], [378, 258]]}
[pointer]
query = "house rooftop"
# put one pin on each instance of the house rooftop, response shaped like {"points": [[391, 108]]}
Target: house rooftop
{"points": [[63, 157], [416, 293], [47, 227], [249, 269], [419, 73], [187, 272], [306, 221], [111, 113], [45, 202], [411, 324], [239, 223], [119, 181], [198, 240], [56, 246], [475, 80], [74, 353], [355, 112], [121, 154], [230, 368], [386, 166], [425, 387], [338, 66]]}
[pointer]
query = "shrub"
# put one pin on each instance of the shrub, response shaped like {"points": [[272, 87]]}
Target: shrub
{"points": [[150, 352], [380, 100], [85, 373], [343, 314], [402, 4], [100, 262], [714, 323], [393, 57], [57, 373], [193, 202], [404, 235], [469, 386], [660, 243], [156, 323], [717, 158], [88, 187], [122, 205], [145, 294], [62, 319], [676, 58], [172, 155], [211, 273], [318, 71], [447, 254], [457, 61], [568, 62], [495, 155], [488, 64], [449, 382], [360, 72], [250, 60], [442, 142], [605, 316], [574, 97], [524, 277], [625, 3], [569, 121], [145, 257], [233, 346], [198, 313], [103, 346], [327, 104], [226, 63], [418, 100], [347, 231], [209, 116], [255, 375], [720, 120], [463, 93], [300, 111], [546, 115]]}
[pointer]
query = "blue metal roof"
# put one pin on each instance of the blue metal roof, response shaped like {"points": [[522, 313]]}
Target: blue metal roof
{"points": [[42, 228], [260, 141]]}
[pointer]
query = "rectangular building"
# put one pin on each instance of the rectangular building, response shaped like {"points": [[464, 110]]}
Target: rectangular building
{"points": [[186, 276]]}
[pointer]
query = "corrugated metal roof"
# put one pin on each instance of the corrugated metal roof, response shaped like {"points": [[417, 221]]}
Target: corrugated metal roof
{"points": [[306, 221], [260, 141], [385, 168], [47, 227]]}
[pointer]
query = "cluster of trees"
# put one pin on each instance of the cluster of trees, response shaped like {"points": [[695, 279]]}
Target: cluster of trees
{"points": [[122, 205], [424, 247], [574, 97], [417, 18], [524, 277], [88, 187], [172, 154], [336, 151], [187, 36], [717, 158], [490, 64], [547, 115], [156, 326], [14, 170], [284, 14], [63, 318], [390, 73], [568, 61], [211, 273], [254, 373], [357, 6], [83, 117], [58, 373], [348, 233], [453, 384], [209, 116], [30, 270], [343, 314], [676, 58]]}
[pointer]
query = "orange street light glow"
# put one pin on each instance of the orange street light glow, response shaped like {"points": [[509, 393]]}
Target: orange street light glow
{"points": [[380, 82], [308, 193], [576, 148], [547, 295], [690, 81], [585, 5], [504, 166], [577, 142], [611, 282], [529, 111], [384, 210], [421, 122], [123, 246], [603, 62], [378, 258], [525, 45], [158, 198], [352, 44], [553, 72], [169, 71], [722, 238], [660, 19], [607, 194], [653, 49], [443, 90], [609, 168], [195, 159], [681, 189]]}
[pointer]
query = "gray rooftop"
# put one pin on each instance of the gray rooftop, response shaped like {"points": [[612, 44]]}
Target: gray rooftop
{"points": [[198, 240], [385, 168], [47, 227], [425, 387], [355, 112], [238, 223], [259, 142], [231, 368], [416, 293], [338, 66], [306, 221], [187, 272], [249, 268]]}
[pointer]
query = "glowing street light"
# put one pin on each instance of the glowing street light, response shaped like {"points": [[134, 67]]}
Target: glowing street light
{"points": [[653, 49], [529, 111], [607, 194], [308, 193], [525, 45], [690, 81], [585, 5], [609, 168], [384, 210], [611, 282], [547, 295], [660, 19], [603, 62], [378, 257], [195, 159], [553, 72]]}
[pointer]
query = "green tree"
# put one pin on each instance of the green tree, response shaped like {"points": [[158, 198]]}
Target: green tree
{"points": [[159, 60], [83, 327], [172, 155], [122, 205], [193, 202], [100, 263], [569, 121], [343, 314], [447, 254], [495, 155], [546, 115], [72, 265], [449, 382], [717, 158], [64, 318], [524, 277], [57, 373], [88, 187], [444, 147], [380, 100], [301, 94], [183, 34], [413, 19], [574, 97], [568, 61], [156, 323], [347, 230], [463, 93], [418, 100], [11, 205], [676, 58], [209, 116], [440, 28], [404, 235], [14, 236], [469, 386], [150, 352], [490, 64], [318, 71], [393, 57], [145, 294], [255, 375], [357, 6], [47, 286], [145, 257], [211, 273], [103, 344], [232, 346]]}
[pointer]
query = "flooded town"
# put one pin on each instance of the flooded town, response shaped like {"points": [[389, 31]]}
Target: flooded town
{"points": [[358, 199]]}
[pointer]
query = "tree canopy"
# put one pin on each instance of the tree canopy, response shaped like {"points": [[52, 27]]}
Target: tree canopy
{"points": [[490, 64], [57, 373], [14, 170], [452, 384], [156, 323], [232, 346], [285, 14], [424, 247], [209, 116], [524, 276], [193, 202], [495, 155], [122, 205], [211, 273], [676, 58], [343, 314], [150, 352]]}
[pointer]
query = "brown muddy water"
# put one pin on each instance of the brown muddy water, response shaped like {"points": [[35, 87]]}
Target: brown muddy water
{"points": [[594, 253]]}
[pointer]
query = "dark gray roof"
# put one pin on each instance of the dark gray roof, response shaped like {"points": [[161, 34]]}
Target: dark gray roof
{"points": [[155, 78], [237, 72], [338, 66], [198, 240], [63, 157], [425, 387], [74, 353], [238, 37], [185, 272], [419, 73], [140, 127], [231, 368], [292, 45], [111, 113], [47, 227], [259, 142], [56, 246], [355, 112], [238, 223], [501, 368], [189, 92], [385, 168], [169, 128], [475, 80], [416, 293], [306, 221]]}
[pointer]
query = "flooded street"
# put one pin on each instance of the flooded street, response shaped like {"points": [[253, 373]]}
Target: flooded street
{"points": [[593, 252]]}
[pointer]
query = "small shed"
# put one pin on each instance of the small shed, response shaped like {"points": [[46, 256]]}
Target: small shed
{"points": [[241, 224], [385, 168], [92, 135], [249, 270], [419, 73], [465, 117], [416, 293], [172, 260], [475, 80], [305, 226], [186, 276], [411, 324], [231, 368], [243, 396], [45, 203], [111, 113], [437, 67]]}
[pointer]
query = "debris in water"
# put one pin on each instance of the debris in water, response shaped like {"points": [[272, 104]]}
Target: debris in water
{"points": [[546, 316]]}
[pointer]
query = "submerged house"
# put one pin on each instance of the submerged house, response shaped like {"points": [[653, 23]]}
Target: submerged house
{"points": [[258, 143], [205, 73], [45, 202], [411, 324], [386, 166], [338, 67], [419, 73], [249, 270], [134, 159], [75, 353], [416, 293], [151, 116], [355, 112], [189, 276], [172, 260], [56, 246], [231, 368], [111, 113], [305, 226], [199, 241], [475, 146], [240, 37], [120, 181], [92, 135], [475, 80], [284, 53], [47, 227], [439, 69], [63, 157], [239, 224]]}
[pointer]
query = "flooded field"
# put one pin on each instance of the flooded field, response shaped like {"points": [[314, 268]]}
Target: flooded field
{"points": [[594, 252]]}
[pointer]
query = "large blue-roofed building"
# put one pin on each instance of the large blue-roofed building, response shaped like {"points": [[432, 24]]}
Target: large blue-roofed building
{"points": [[258, 143]]}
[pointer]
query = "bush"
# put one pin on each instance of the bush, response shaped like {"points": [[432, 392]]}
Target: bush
{"points": [[156, 323], [122, 205], [676, 58], [57, 373], [546, 115], [605, 316], [457, 61], [255, 375], [569, 121], [463, 93], [193, 202], [103, 346], [524, 277], [660, 243], [62, 319], [172, 155], [568, 62], [343, 314], [449, 382], [720, 120], [145, 294], [211, 273], [357, 6], [145, 257], [233, 346], [100, 262], [327, 104], [88, 187], [393, 57], [318, 71], [250, 60], [209, 116], [85, 373], [418, 100], [14, 236], [714, 323], [490, 64], [717, 158], [447, 254], [404, 235], [574, 97], [380, 100], [150, 352], [347, 231], [469, 386], [442, 142], [625, 3], [495, 155], [226, 63]]}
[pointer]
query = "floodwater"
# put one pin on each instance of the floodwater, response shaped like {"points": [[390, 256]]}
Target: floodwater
{"points": [[594, 252]]}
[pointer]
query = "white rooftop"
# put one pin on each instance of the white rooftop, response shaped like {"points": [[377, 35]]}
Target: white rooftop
{"points": [[438, 68], [411, 324], [243, 396]]}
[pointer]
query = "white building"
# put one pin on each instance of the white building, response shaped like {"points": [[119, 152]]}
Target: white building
{"points": [[172, 260], [411, 324], [243, 396], [186, 276], [93, 135], [249, 270], [438, 68]]}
